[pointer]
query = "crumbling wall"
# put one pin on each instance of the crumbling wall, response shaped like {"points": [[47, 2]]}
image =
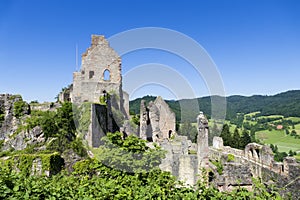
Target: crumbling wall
{"points": [[102, 122], [157, 120], [100, 73], [259, 159], [167, 118], [178, 161]]}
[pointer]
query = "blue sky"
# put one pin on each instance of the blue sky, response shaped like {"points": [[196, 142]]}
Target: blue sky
{"points": [[255, 44]]}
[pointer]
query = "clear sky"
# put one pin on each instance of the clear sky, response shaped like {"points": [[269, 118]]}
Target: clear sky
{"points": [[255, 44]]}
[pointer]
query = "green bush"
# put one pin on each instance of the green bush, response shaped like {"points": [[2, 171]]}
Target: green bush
{"points": [[230, 157], [219, 166], [2, 116], [130, 153], [20, 107], [1, 144]]}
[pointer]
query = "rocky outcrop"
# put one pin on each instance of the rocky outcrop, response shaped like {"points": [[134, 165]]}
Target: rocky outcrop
{"points": [[70, 158], [9, 122], [14, 112]]}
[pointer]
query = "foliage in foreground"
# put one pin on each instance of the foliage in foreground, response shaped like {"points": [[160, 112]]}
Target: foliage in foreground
{"points": [[130, 154], [93, 180]]}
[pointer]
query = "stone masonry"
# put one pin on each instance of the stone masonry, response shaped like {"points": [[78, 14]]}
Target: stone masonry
{"points": [[99, 82], [157, 121], [185, 159], [100, 74], [255, 161]]}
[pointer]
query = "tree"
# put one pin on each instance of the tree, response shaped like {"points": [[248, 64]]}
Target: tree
{"points": [[252, 135], [287, 131], [226, 136], [236, 140], [189, 130], [245, 139], [130, 154], [214, 131], [293, 133]]}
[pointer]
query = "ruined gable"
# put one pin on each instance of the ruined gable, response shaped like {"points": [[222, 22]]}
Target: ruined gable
{"points": [[167, 118], [100, 72], [157, 121]]}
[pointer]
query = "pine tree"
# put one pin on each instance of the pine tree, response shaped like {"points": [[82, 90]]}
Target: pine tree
{"points": [[225, 135], [236, 140], [187, 129], [245, 139], [252, 135], [214, 131]]}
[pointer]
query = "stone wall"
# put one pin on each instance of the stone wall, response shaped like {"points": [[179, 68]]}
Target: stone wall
{"points": [[100, 73], [157, 120], [258, 160], [102, 122], [178, 161], [34, 164]]}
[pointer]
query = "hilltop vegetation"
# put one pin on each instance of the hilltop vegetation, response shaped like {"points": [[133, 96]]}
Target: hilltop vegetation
{"points": [[257, 115], [286, 104], [94, 179]]}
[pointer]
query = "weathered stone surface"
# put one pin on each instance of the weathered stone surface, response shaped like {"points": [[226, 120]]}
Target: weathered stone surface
{"points": [[99, 81], [178, 161], [259, 159], [218, 143], [144, 121], [102, 122], [100, 73], [157, 121], [154, 117], [234, 175], [202, 140], [9, 123], [167, 119], [70, 158], [129, 129]]}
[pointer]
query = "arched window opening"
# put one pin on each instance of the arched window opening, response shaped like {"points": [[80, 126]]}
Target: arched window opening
{"points": [[106, 75]]}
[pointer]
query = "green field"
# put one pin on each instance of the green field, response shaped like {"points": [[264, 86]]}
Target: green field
{"points": [[279, 138], [294, 119], [297, 128], [271, 116], [252, 114]]}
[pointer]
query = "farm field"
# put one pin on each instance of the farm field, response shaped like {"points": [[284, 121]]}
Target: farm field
{"points": [[278, 137]]}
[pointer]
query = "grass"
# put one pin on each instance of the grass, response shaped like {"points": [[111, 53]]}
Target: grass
{"points": [[271, 116], [252, 114], [297, 157], [297, 128], [278, 137], [294, 119]]}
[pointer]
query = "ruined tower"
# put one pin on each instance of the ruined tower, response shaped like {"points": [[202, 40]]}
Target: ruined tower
{"points": [[202, 140], [100, 74]]}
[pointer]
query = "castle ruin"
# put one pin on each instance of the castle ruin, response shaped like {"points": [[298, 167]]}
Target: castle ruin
{"points": [[100, 75]]}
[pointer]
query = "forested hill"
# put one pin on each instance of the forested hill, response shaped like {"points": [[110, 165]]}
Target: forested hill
{"points": [[286, 104]]}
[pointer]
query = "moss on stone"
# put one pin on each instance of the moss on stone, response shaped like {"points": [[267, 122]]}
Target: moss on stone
{"points": [[230, 157], [19, 108], [23, 163], [85, 117]]}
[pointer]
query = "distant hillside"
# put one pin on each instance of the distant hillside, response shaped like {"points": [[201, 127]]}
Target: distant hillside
{"points": [[286, 104]]}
